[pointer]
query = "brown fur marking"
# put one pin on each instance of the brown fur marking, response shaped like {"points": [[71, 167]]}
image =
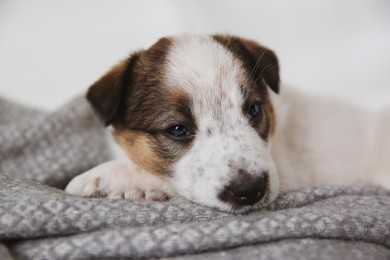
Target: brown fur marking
{"points": [[141, 149], [260, 64], [134, 97]]}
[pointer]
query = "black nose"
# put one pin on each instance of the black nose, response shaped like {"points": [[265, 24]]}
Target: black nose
{"points": [[245, 191]]}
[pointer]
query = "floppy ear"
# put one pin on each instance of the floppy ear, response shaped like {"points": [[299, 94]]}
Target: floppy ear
{"points": [[266, 62], [261, 62], [108, 95]]}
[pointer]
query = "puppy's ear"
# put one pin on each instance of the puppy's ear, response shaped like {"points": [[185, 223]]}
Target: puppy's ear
{"points": [[264, 62], [108, 95], [260, 61]]}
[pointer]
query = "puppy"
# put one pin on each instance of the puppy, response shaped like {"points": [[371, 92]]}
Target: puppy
{"points": [[201, 117]]}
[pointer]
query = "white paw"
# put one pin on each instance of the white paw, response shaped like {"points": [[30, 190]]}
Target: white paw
{"points": [[85, 186], [115, 180], [147, 194]]}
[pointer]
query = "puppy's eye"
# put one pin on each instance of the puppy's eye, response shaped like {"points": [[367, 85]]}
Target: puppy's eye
{"points": [[254, 110], [178, 131]]}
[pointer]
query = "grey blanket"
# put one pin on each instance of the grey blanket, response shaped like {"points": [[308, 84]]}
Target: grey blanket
{"points": [[40, 152]]}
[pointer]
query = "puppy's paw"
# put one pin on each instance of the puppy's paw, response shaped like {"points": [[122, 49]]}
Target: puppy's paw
{"points": [[147, 194], [85, 185], [117, 181]]}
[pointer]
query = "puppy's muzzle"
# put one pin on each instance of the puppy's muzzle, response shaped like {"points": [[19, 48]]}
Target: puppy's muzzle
{"points": [[245, 190]]}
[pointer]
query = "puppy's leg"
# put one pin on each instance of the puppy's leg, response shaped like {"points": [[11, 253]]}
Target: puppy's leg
{"points": [[120, 179]]}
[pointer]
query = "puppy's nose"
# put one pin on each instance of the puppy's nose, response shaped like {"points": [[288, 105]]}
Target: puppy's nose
{"points": [[247, 191]]}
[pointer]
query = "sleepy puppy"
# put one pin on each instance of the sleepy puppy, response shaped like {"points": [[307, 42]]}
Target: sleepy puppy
{"points": [[202, 117]]}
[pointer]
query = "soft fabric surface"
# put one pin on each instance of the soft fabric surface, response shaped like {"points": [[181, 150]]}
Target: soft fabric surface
{"points": [[40, 152], [50, 148]]}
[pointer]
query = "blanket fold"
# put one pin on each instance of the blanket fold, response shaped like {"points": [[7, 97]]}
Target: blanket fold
{"points": [[40, 152], [50, 148]]}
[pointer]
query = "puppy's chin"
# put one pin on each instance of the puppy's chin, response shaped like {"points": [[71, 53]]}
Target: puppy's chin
{"points": [[226, 207]]}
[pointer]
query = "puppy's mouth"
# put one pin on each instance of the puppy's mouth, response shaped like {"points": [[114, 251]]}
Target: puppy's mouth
{"points": [[246, 209]]}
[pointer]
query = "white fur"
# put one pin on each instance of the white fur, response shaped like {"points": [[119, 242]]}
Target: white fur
{"points": [[321, 141], [119, 179], [211, 76], [317, 141]]}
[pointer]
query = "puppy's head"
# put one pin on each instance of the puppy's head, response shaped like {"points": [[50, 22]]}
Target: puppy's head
{"points": [[196, 109]]}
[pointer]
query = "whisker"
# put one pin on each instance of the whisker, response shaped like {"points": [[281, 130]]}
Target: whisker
{"points": [[257, 64], [269, 65], [164, 197]]}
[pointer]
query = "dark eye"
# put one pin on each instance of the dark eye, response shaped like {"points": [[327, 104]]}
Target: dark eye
{"points": [[178, 131], [254, 110]]}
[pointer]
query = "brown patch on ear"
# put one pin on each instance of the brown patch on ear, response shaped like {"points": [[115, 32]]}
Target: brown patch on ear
{"points": [[260, 61], [107, 95], [114, 93], [140, 147]]}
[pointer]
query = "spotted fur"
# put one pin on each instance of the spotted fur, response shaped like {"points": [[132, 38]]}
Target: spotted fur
{"points": [[229, 157]]}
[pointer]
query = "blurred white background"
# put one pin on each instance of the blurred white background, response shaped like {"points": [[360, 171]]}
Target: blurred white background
{"points": [[51, 51]]}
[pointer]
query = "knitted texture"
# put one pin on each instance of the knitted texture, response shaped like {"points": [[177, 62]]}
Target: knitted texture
{"points": [[50, 148], [42, 151]]}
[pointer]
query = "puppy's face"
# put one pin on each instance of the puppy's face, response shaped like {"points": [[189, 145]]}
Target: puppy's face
{"points": [[196, 109]]}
